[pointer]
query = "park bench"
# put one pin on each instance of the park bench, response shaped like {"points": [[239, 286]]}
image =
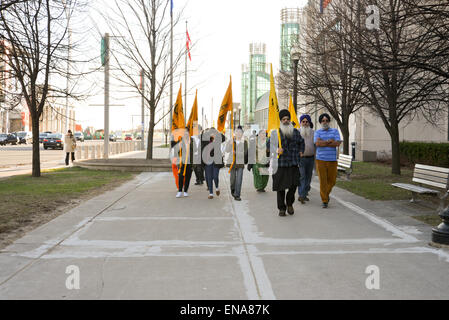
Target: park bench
{"points": [[344, 163], [436, 177]]}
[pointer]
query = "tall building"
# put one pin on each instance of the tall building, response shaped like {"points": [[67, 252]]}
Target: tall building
{"points": [[255, 81], [290, 23]]}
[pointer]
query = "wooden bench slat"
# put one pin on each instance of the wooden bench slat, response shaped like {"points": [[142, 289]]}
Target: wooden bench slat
{"points": [[413, 188], [431, 178], [430, 183], [432, 173], [438, 169]]}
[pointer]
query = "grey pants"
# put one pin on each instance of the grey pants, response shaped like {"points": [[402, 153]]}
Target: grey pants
{"points": [[236, 181]]}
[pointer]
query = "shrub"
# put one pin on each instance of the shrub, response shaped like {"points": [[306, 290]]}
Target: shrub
{"points": [[433, 154]]}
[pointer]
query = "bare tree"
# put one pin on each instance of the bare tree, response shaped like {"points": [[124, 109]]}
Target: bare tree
{"points": [[329, 76], [33, 31], [143, 47], [397, 89]]}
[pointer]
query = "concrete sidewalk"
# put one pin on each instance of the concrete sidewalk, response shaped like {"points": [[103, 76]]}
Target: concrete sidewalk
{"points": [[140, 242]]}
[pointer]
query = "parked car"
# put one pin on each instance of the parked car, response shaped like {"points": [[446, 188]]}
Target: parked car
{"points": [[128, 136], [112, 137], [25, 137], [11, 138], [139, 137], [54, 141], [79, 136], [3, 137], [42, 136]]}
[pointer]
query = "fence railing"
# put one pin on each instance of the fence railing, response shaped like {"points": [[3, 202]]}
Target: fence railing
{"points": [[85, 152]]}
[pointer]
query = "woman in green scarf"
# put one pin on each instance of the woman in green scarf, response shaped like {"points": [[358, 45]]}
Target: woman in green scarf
{"points": [[260, 169]]}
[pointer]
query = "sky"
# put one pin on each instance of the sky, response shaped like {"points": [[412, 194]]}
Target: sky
{"points": [[222, 32]]}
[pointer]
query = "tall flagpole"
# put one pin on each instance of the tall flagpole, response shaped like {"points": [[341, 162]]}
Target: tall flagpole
{"points": [[185, 81], [171, 70]]}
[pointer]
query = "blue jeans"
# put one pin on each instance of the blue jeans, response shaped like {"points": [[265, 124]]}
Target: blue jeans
{"points": [[212, 173], [305, 172]]}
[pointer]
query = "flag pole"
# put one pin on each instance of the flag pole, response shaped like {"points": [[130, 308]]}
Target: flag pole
{"points": [[185, 87], [171, 70]]}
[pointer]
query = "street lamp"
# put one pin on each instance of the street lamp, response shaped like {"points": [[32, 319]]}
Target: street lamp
{"points": [[240, 109], [295, 55]]}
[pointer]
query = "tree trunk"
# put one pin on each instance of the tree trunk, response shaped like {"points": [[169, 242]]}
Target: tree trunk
{"points": [[395, 153], [345, 132], [150, 134], [36, 172]]}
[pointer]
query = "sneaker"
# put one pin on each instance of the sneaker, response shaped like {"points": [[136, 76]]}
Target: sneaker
{"points": [[238, 199], [179, 195], [290, 210], [301, 199], [211, 196], [282, 213], [186, 194], [325, 205], [217, 192]]}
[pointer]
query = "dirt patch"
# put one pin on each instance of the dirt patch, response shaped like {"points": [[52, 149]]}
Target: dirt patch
{"points": [[43, 213]]}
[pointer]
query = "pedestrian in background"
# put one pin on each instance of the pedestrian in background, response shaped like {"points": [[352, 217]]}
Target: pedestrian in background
{"points": [[70, 146], [238, 147], [327, 140], [185, 165], [307, 158], [212, 157], [260, 168], [198, 166]]}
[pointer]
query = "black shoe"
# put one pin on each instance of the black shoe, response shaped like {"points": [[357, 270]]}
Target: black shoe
{"points": [[325, 205], [301, 199], [307, 199], [238, 199], [261, 190], [290, 210], [282, 213], [197, 183]]}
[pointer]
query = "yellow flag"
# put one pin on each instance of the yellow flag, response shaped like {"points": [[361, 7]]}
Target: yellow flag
{"points": [[192, 124], [226, 106], [178, 116], [293, 116], [273, 107]]}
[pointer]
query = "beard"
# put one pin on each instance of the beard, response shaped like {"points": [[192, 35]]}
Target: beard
{"points": [[305, 131], [325, 126], [287, 130]]}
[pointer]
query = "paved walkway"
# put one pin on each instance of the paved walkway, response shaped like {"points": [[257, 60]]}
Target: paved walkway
{"points": [[140, 242]]}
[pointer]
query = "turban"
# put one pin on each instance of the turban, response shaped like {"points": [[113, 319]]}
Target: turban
{"points": [[306, 116], [324, 115], [284, 113]]}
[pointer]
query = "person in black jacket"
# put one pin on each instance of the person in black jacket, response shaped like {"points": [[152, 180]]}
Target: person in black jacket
{"points": [[186, 161], [212, 158]]}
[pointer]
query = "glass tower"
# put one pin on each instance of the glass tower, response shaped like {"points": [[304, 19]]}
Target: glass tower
{"points": [[255, 81], [290, 19]]}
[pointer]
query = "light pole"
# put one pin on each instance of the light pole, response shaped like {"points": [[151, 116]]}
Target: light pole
{"points": [[295, 55], [240, 109]]}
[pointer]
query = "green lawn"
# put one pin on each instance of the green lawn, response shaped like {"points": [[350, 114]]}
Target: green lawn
{"points": [[32, 201], [373, 181]]}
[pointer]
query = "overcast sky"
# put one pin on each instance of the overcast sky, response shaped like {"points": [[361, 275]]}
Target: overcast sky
{"points": [[222, 31]]}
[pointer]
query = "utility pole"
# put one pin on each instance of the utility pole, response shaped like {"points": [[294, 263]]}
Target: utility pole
{"points": [[171, 70], [106, 96]]}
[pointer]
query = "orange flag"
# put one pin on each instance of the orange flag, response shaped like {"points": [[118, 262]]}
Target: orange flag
{"points": [[226, 106], [192, 124], [178, 116]]}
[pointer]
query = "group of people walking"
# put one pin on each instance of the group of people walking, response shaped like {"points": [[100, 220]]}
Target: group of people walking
{"points": [[288, 154]]}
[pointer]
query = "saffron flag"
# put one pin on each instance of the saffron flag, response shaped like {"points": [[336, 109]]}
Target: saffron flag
{"points": [[273, 107], [192, 124], [226, 106], [188, 43], [293, 116], [178, 117]]}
